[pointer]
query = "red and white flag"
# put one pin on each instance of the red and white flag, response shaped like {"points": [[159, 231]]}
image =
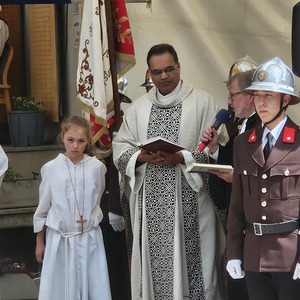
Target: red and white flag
{"points": [[124, 47], [94, 81]]}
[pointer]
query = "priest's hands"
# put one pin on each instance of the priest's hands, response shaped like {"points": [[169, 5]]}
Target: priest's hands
{"points": [[297, 272], [116, 221], [160, 157], [234, 269]]}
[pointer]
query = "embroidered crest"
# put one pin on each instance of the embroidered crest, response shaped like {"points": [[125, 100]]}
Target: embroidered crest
{"points": [[288, 135], [262, 75], [252, 137]]}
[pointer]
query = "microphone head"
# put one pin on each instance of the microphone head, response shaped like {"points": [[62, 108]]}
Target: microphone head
{"points": [[223, 115]]}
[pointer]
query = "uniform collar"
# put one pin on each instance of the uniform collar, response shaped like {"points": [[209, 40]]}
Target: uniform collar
{"points": [[284, 144], [275, 131]]}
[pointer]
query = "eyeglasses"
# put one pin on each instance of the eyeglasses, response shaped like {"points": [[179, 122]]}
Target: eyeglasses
{"points": [[230, 97], [167, 70]]}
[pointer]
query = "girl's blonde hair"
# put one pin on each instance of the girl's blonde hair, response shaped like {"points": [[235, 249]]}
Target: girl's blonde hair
{"points": [[82, 122]]}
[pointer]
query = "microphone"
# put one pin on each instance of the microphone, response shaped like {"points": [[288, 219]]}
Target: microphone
{"points": [[222, 116]]}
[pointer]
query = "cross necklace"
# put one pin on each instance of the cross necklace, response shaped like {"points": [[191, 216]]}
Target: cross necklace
{"points": [[81, 221]]}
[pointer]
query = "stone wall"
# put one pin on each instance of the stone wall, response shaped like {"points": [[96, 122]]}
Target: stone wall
{"points": [[18, 201]]}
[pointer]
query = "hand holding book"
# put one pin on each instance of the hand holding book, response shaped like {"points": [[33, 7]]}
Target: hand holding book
{"points": [[200, 167], [156, 144]]}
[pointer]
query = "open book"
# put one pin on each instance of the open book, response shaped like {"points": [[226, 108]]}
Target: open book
{"points": [[198, 167], [155, 144]]}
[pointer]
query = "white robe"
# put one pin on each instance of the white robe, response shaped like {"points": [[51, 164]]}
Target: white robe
{"points": [[4, 33], [197, 112], [74, 265], [3, 164]]}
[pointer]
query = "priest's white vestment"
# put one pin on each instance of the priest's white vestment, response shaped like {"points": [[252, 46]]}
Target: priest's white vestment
{"points": [[172, 218]]}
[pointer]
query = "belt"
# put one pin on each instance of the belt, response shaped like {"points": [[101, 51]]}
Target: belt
{"points": [[281, 227]]}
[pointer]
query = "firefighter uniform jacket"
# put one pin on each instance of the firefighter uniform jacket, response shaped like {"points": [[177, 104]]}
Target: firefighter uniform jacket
{"points": [[267, 193]]}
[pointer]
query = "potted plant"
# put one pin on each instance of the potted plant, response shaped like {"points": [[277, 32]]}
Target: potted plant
{"points": [[6, 265], [27, 120], [10, 175]]}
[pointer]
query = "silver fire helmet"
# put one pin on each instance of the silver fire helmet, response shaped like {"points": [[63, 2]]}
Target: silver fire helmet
{"points": [[244, 64], [122, 88], [275, 76]]}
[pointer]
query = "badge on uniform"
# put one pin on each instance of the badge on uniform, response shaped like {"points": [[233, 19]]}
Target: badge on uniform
{"points": [[288, 135]]}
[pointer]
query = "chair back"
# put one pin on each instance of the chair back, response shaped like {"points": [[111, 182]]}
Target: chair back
{"points": [[5, 61]]}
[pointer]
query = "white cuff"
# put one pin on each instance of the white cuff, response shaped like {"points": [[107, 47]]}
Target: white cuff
{"points": [[297, 272], [116, 221], [234, 269]]}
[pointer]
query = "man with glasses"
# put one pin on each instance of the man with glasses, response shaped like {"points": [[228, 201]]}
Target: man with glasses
{"points": [[172, 218], [243, 118]]}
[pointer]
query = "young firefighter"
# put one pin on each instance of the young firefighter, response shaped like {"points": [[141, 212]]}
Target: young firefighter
{"points": [[263, 221]]}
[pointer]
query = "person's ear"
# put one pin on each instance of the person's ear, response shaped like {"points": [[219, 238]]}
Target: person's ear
{"points": [[286, 100], [251, 98]]}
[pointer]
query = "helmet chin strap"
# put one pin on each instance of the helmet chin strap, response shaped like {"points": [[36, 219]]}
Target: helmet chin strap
{"points": [[280, 110]]}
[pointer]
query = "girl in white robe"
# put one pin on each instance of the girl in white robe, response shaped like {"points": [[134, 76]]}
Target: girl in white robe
{"points": [[72, 251]]}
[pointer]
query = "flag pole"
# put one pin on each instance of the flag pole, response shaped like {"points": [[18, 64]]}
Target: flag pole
{"points": [[113, 67]]}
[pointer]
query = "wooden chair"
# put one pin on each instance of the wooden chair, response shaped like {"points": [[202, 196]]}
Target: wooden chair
{"points": [[5, 61]]}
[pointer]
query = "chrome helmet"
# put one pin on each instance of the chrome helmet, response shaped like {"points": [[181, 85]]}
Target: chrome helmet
{"points": [[122, 88], [274, 75], [244, 64], [148, 79]]}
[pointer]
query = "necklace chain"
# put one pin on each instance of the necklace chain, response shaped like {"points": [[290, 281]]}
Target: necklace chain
{"points": [[81, 221]]}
